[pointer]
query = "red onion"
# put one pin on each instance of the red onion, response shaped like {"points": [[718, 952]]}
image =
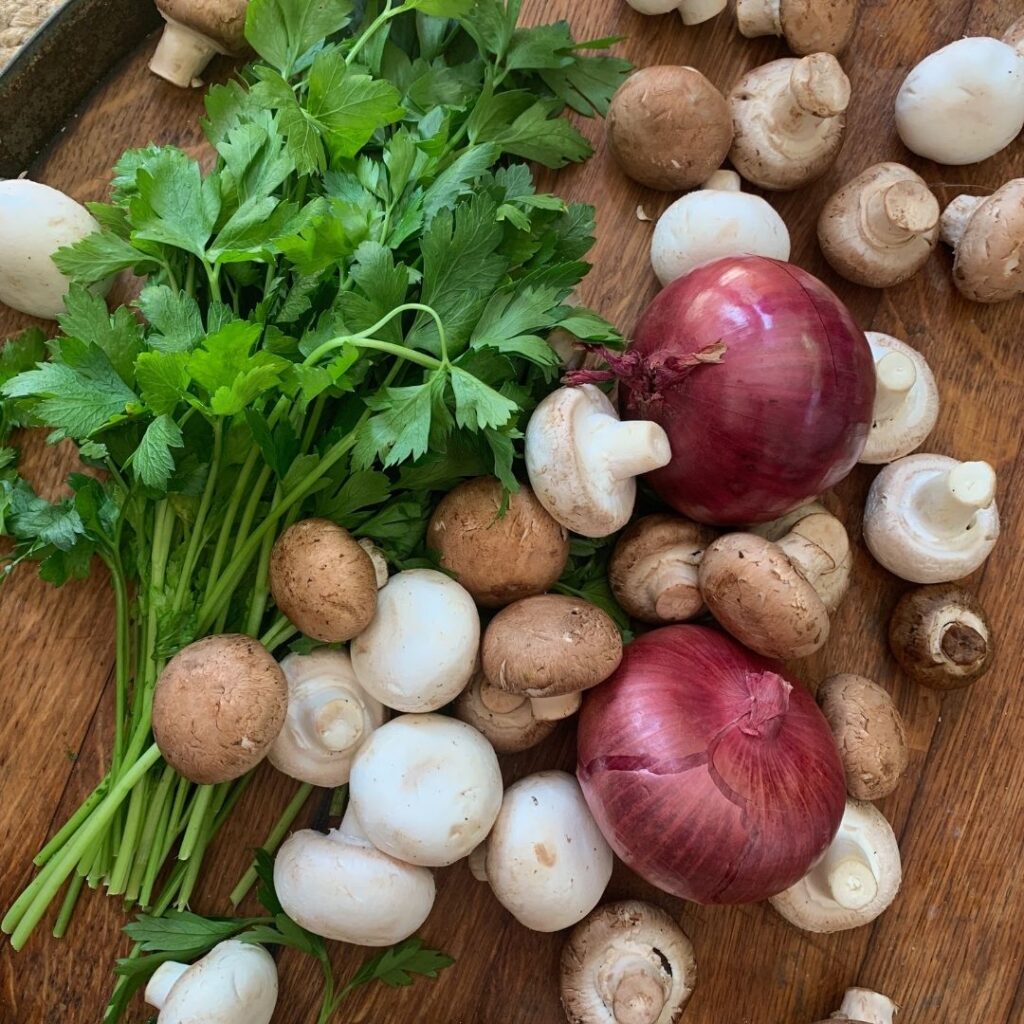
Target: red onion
{"points": [[709, 773]]}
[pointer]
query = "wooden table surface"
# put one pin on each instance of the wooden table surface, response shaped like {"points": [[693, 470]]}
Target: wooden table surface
{"points": [[950, 950]]}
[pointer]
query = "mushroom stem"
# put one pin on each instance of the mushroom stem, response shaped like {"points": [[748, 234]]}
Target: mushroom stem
{"points": [[162, 981], [723, 181], [962, 643], [896, 375], [851, 881], [670, 579], [817, 545], [694, 12], [862, 1004], [759, 18], [904, 210], [554, 709], [635, 991], [501, 702], [818, 89], [337, 721], [182, 54], [955, 217], [948, 502], [628, 449], [477, 861]]}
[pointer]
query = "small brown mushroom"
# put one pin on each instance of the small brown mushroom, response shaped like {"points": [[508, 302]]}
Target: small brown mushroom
{"points": [[669, 128], [498, 557], [195, 31], [323, 580], [941, 637], [506, 719], [809, 26], [653, 570], [869, 733], [218, 706]]}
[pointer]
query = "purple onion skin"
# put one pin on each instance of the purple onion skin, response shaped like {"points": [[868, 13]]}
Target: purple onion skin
{"points": [[786, 413], [706, 773]]}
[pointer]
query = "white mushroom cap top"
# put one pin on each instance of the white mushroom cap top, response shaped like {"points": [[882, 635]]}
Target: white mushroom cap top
{"points": [[856, 880], [627, 963], [420, 649], [583, 460], [235, 983], [545, 858], [693, 12], [810, 26], [906, 400], [329, 717], [426, 789], [862, 1006], [718, 220], [963, 103], [932, 519]]}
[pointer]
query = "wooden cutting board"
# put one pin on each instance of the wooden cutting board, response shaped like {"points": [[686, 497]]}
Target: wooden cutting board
{"points": [[951, 949]]}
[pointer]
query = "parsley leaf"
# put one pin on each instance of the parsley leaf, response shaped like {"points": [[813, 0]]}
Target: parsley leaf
{"points": [[99, 256], [152, 461], [396, 966], [281, 31]]}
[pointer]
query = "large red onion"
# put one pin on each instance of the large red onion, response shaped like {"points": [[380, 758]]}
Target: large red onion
{"points": [[709, 773]]}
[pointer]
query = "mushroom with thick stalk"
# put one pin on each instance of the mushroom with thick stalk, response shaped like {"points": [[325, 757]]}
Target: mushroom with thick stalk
{"points": [[693, 12], [869, 733], [789, 119], [420, 650], [196, 31], [508, 720], [235, 983], [329, 718], [808, 26], [583, 461], [906, 400], [627, 963], [931, 519], [856, 880], [941, 637], [653, 569], [217, 707], [715, 221], [545, 859], [862, 1006], [669, 128], [880, 228], [987, 235], [499, 553]]}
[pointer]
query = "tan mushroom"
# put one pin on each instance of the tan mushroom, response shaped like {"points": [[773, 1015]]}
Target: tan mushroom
{"points": [[941, 637], [789, 121], [498, 556], [217, 707], [506, 719], [987, 234], [809, 26], [669, 128], [195, 31]]}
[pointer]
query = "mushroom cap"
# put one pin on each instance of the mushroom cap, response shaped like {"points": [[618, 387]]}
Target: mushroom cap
{"points": [[550, 645], [869, 733], [218, 706], [653, 569], [420, 650], [622, 962], [895, 435], [426, 789], [941, 637], [546, 859], [507, 720], [757, 594], [818, 26], [988, 265], [653, 6], [669, 127], [499, 557], [323, 581], [899, 531], [221, 21], [329, 717]]}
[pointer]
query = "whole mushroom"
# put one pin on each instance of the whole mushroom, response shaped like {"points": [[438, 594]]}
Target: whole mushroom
{"points": [[693, 12], [508, 720], [809, 26], [196, 30], [862, 1006], [931, 519], [880, 228], [941, 637], [627, 963], [789, 121], [583, 461], [717, 220]]}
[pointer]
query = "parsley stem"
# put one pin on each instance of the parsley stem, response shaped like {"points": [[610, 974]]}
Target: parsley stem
{"points": [[125, 854], [67, 908], [383, 18], [70, 827], [122, 655], [280, 631], [149, 834], [204, 795]]}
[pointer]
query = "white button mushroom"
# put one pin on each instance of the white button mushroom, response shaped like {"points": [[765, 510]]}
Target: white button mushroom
{"points": [[789, 120], [862, 1006], [329, 718], [426, 789], [420, 650], [809, 26], [718, 220], [583, 461], [856, 880], [931, 519], [906, 400], [545, 858], [693, 12], [195, 31], [235, 983], [36, 221], [342, 887]]}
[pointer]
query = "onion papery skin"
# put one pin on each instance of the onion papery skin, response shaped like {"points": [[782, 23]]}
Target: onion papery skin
{"points": [[709, 773], [784, 416]]}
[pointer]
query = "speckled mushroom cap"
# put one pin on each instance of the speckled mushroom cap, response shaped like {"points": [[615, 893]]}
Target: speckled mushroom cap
{"points": [[627, 963], [810, 26], [217, 707], [221, 21], [507, 720]]}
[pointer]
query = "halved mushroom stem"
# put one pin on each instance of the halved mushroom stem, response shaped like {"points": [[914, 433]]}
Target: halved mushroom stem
{"points": [[949, 502], [861, 1004]]}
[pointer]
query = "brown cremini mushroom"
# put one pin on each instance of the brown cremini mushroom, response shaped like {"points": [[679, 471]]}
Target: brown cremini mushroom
{"points": [[195, 31], [323, 580], [809, 26], [669, 128], [217, 707], [506, 719], [941, 637], [498, 557], [869, 733]]}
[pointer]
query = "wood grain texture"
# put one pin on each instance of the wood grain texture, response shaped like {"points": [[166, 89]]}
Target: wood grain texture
{"points": [[950, 950]]}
